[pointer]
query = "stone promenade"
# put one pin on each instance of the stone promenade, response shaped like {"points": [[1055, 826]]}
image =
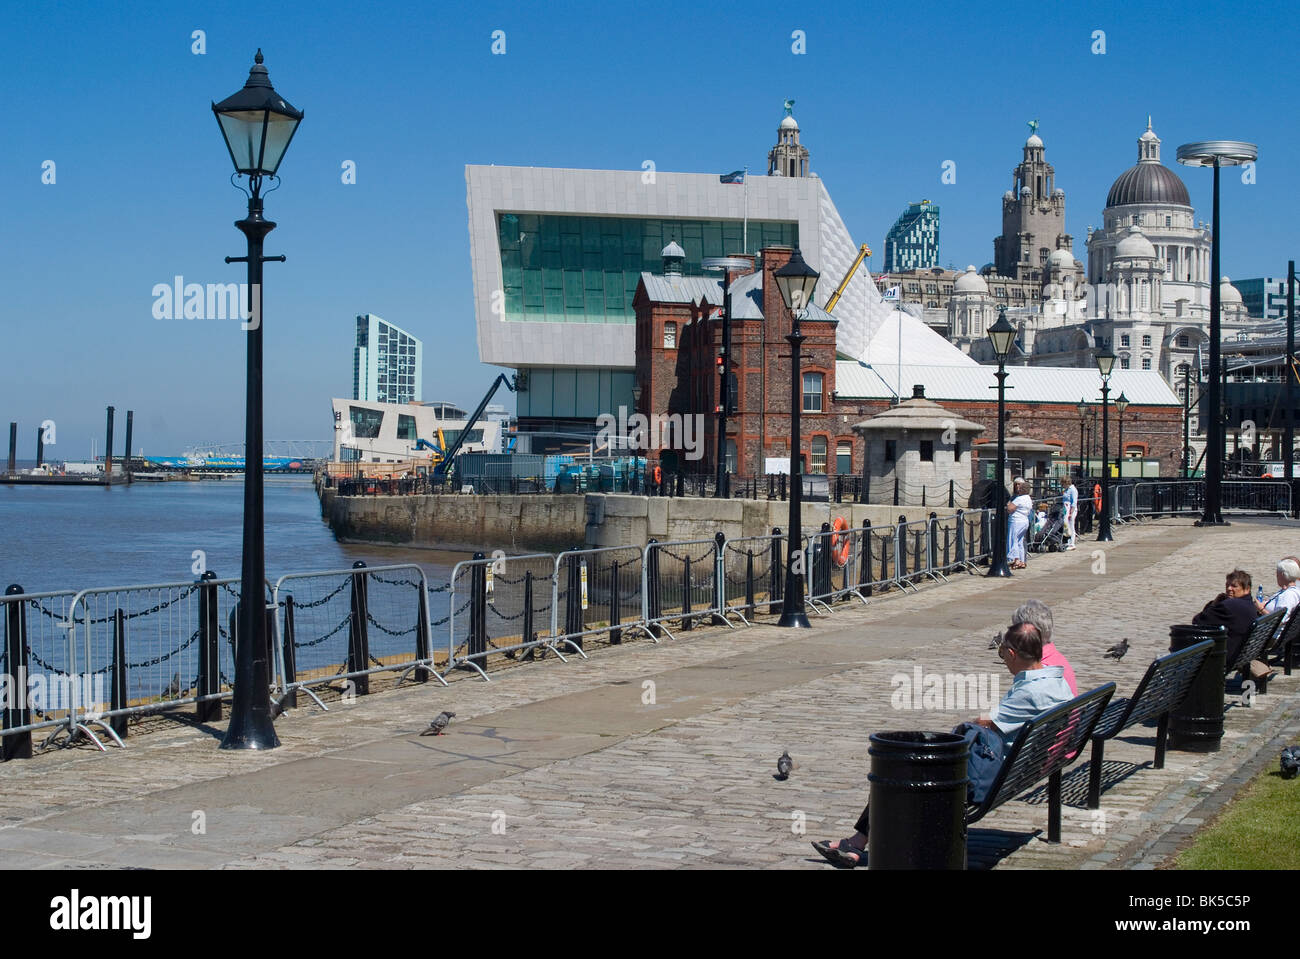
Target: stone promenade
{"points": [[662, 756]]}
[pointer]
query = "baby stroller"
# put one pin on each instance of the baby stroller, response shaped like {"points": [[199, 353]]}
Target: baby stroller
{"points": [[1048, 536]]}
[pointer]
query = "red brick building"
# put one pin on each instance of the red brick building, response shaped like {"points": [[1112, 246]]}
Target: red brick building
{"points": [[679, 345]]}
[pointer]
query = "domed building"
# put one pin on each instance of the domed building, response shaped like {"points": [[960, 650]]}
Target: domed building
{"points": [[971, 309], [1151, 197], [1033, 218], [789, 157]]}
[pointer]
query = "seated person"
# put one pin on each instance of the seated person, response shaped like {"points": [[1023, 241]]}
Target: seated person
{"points": [[1232, 608], [1035, 689], [1288, 595], [1039, 614]]}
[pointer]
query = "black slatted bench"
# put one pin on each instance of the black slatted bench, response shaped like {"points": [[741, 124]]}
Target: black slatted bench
{"points": [[1261, 633], [1161, 691], [1284, 648], [1044, 746]]}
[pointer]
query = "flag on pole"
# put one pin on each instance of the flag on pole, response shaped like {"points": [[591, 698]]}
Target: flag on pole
{"points": [[736, 176], [891, 293]]}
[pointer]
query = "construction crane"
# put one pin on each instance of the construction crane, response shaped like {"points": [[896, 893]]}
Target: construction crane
{"points": [[864, 251], [441, 468]]}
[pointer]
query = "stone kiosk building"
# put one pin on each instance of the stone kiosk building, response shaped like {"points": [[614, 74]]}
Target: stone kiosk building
{"points": [[920, 446]]}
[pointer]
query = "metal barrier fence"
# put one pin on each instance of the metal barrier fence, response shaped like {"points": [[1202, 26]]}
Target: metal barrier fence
{"points": [[595, 590], [37, 655], [349, 624], [835, 567], [161, 646], [1180, 497], [682, 584], [754, 575], [501, 605]]}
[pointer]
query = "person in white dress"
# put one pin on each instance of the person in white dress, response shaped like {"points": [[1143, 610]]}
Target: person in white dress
{"points": [[1070, 501], [1018, 511]]}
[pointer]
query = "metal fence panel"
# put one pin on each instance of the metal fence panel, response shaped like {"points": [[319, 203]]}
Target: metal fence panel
{"points": [[37, 621], [753, 573], [352, 623], [500, 605], [681, 583], [597, 593]]}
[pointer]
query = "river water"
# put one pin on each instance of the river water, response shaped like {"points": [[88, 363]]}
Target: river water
{"points": [[67, 537]]}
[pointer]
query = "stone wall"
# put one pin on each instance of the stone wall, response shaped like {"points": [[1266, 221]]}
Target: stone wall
{"points": [[540, 523]]}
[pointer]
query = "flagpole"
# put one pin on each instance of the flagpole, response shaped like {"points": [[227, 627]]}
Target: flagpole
{"points": [[898, 377]]}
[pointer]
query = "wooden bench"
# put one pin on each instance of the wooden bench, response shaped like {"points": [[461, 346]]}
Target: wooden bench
{"points": [[1160, 692], [1259, 638], [1284, 648], [1043, 747]]}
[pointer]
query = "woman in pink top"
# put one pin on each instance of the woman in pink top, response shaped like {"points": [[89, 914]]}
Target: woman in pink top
{"points": [[1039, 615]]}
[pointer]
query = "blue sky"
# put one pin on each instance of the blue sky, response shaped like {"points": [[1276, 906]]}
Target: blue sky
{"points": [[411, 93]]}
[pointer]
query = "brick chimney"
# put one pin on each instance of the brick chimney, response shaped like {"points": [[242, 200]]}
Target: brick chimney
{"points": [[733, 275], [774, 311]]}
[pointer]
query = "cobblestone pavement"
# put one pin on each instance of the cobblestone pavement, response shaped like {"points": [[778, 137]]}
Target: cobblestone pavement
{"points": [[662, 756]]}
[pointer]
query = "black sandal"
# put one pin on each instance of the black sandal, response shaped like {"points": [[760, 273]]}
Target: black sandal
{"points": [[845, 855]]}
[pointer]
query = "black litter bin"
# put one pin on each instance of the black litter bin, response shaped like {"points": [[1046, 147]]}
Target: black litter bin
{"points": [[1197, 724], [918, 797]]}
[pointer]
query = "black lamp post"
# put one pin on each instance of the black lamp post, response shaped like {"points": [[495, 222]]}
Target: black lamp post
{"points": [[1215, 153], [726, 264], [1002, 334], [796, 281], [1105, 362], [257, 124], [1083, 416], [1121, 404], [1187, 415]]}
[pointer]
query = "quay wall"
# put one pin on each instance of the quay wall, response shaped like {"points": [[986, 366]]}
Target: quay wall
{"points": [[550, 523]]}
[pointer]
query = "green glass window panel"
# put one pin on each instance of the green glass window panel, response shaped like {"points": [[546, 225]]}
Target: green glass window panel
{"points": [[514, 303], [573, 298], [631, 232], [530, 252], [405, 427], [713, 239], [614, 293], [611, 250], [534, 311], [594, 281], [549, 228], [528, 223], [513, 277], [651, 254], [551, 264], [591, 260], [571, 251], [590, 234], [570, 225], [554, 307], [652, 228], [595, 312], [508, 228], [692, 229], [533, 288]]}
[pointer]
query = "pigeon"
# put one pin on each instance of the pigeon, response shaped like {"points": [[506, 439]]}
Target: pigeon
{"points": [[173, 688], [1290, 762], [1118, 650], [996, 641], [438, 724], [784, 765]]}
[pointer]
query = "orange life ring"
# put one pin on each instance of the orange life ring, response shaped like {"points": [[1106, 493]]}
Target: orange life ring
{"points": [[1096, 496], [840, 541]]}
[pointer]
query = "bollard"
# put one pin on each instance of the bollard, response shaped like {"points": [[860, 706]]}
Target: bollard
{"points": [[421, 675], [478, 611], [864, 566], [1196, 725], [209, 679], [822, 561], [615, 607], [573, 618], [16, 713], [918, 800], [952, 499], [290, 700], [749, 588], [686, 594], [117, 674], [961, 537], [719, 579], [886, 547], [933, 528], [775, 584], [985, 549], [652, 586], [900, 549], [895, 490], [359, 631]]}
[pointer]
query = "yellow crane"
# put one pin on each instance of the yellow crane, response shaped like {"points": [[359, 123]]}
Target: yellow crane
{"points": [[864, 251]]}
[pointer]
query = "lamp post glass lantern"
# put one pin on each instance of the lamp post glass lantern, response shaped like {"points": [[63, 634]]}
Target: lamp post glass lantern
{"points": [[796, 280], [1105, 363], [1215, 154], [1001, 334], [257, 125]]}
